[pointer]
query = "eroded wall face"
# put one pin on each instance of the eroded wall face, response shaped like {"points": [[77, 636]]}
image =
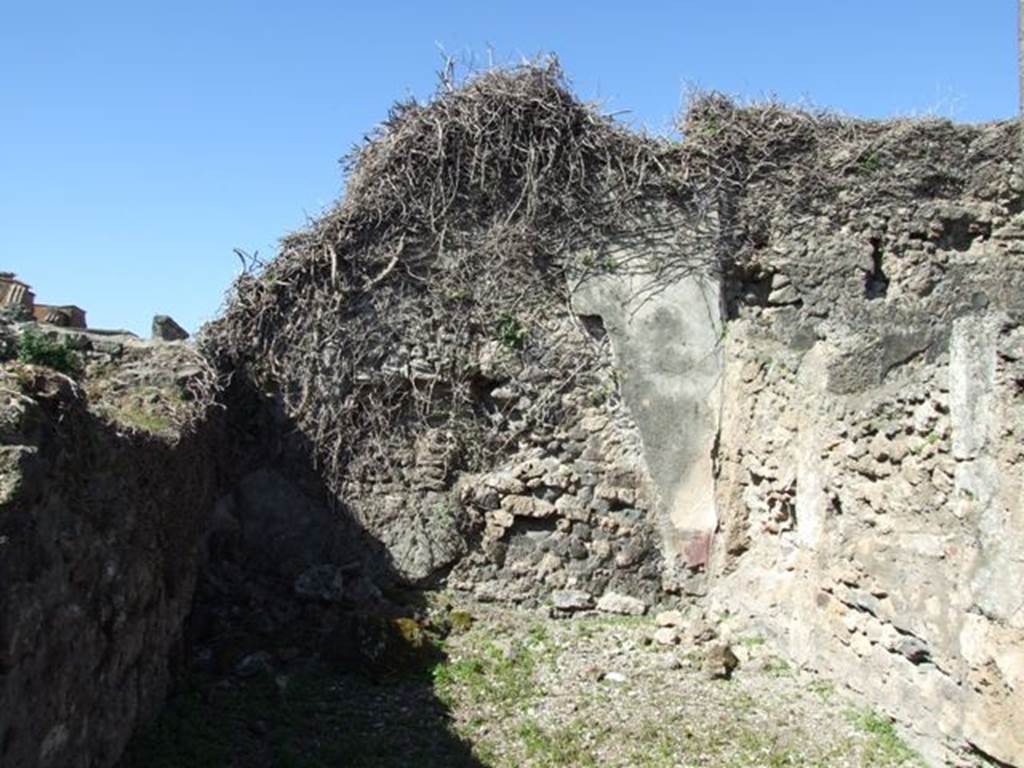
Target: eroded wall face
{"points": [[869, 470], [832, 430], [101, 526]]}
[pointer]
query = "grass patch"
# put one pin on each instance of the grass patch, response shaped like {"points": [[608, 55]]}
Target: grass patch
{"points": [[556, 748], [752, 641], [498, 676], [823, 689], [776, 667], [511, 332], [592, 625], [884, 745], [733, 745], [137, 417]]}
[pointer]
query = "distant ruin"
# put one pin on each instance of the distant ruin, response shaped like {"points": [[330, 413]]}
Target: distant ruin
{"points": [[17, 295]]}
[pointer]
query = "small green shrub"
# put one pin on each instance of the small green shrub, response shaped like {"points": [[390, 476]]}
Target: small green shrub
{"points": [[600, 262], [37, 349], [511, 332], [869, 164]]}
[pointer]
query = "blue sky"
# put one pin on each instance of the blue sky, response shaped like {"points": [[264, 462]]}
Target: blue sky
{"points": [[140, 142]]}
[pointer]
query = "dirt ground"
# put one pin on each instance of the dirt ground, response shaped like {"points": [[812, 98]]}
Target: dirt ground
{"points": [[510, 689]]}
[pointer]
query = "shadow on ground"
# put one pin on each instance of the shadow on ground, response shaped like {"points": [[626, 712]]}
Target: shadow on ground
{"points": [[303, 649], [309, 717]]}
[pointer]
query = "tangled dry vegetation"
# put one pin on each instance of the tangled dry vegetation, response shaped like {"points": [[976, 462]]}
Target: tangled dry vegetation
{"points": [[467, 219], [768, 162], [455, 231]]}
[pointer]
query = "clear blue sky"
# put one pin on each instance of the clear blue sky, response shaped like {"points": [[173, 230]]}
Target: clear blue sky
{"points": [[141, 141]]}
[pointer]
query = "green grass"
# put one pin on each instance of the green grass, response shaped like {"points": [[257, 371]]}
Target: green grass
{"points": [[594, 625], [884, 745], [555, 748], [869, 163], [776, 667], [823, 689], [139, 418], [602, 262], [752, 641], [486, 706], [498, 676], [735, 744]]}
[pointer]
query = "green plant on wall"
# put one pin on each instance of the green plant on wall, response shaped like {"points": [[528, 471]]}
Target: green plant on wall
{"points": [[869, 163], [37, 349], [600, 262], [511, 332]]}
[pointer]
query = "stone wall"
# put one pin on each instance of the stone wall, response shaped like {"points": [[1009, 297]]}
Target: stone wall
{"points": [[105, 485], [828, 437], [814, 426], [568, 504], [869, 461]]}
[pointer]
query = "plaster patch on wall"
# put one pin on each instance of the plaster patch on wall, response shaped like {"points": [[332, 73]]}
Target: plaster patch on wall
{"points": [[666, 343]]}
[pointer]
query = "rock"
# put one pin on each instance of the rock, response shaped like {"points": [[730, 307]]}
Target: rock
{"points": [[571, 508], [283, 531], [100, 549], [720, 662], [913, 648], [785, 294], [616, 493], [701, 632], [533, 468], [880, 447], [501, 519], [631, 554], [254, 664], [527, 506], [503, 482], [666, 635], [166, 329], [379, 645], [601, 550], [362, 591], [571, 600], [613, 602], [673, 618], [321, 582], [577, 549], [548, 565], [561, 478], [614, 677], [669, 661]]}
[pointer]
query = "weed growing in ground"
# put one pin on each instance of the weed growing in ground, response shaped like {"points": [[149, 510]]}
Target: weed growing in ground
{"points": [[885, 747], [553, 748], [499, 676]]}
